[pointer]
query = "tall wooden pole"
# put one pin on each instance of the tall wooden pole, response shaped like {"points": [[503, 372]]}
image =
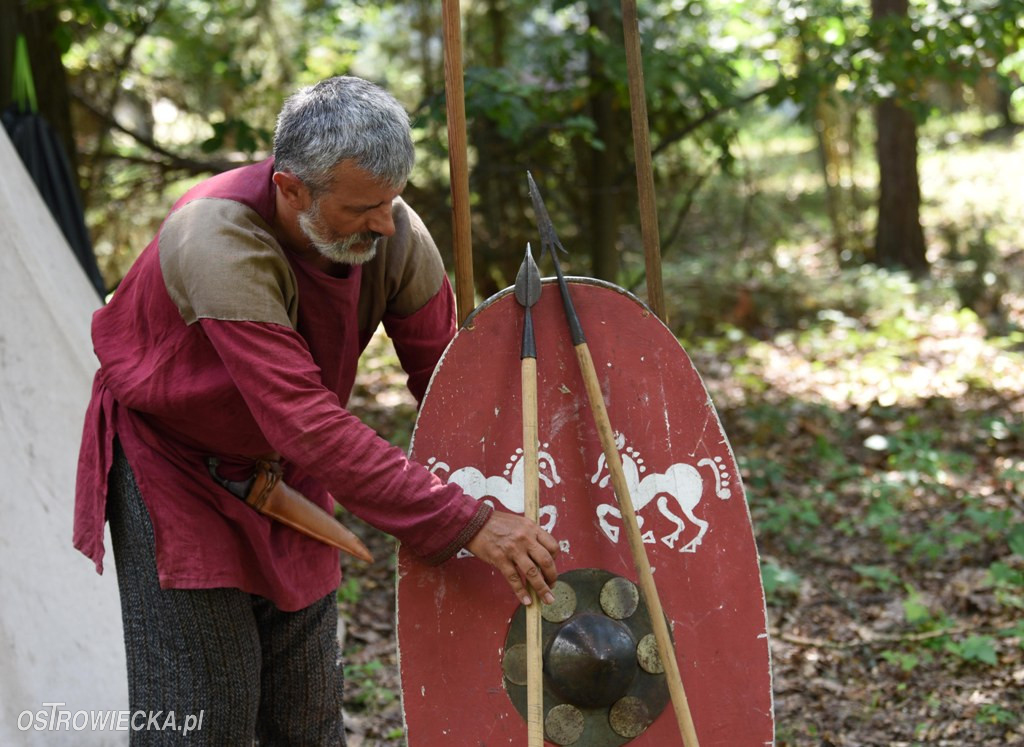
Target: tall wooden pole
{"points": [[642, 155], [458, 161]]}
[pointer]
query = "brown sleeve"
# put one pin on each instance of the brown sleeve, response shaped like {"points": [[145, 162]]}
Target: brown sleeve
{"points": [[404, 275], [220, 261]]}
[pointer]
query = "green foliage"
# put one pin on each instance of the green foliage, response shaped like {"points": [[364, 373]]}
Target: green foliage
{"points": [[1008, 587], [1015, 539], [878, 430], [1003, 574], [204, 80], [350, 591], [1017, 632], [906, 661], [523, 113], [833, 45], [918, 613], [880, 576], [361, 680], [792, 518], [498, 95], [250, 140], [975, 648], [993, 713], [779, 583]]}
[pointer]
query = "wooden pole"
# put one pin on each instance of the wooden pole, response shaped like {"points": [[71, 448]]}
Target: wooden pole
{"points": [[636, 546], [642, 156], [531, 509], [462, 240]]}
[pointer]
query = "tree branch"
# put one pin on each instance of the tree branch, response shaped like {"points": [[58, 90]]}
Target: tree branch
{"points": [[708, 116], [169, 159], [871, 639]]}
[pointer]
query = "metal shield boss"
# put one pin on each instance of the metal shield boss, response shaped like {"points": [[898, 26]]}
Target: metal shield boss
{"points": [[604, 682]]}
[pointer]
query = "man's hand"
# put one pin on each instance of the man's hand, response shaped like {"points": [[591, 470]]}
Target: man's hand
{"points": [[520, 550]]}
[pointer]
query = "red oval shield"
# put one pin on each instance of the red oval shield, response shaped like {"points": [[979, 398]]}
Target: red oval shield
{"points": [[685, 488]]}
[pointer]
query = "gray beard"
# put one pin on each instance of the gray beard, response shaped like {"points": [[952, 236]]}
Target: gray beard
{"points": [[340, 250]]}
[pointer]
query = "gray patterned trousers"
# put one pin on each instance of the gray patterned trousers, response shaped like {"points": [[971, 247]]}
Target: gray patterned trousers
{"points": [[239, 667]]}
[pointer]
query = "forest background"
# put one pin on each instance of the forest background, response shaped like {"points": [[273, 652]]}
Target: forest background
{"points": [[840, 194]]}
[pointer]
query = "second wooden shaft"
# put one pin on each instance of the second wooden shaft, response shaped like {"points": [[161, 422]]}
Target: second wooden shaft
{"points": [[636, 546]]}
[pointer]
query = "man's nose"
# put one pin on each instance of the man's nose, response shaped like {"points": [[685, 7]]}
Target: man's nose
{"points": [[381, 220]]}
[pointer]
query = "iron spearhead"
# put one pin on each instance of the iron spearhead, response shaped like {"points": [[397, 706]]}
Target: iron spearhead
{"points": [[528, 280], [549, 241], [527, 294], [548, 238]]}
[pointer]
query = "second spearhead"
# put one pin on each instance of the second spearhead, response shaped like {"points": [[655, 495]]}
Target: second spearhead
{"points": [[527, 286], [549, 240]]}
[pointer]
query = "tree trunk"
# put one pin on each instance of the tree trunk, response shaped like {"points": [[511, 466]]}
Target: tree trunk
{"points": [[498, 240], [826, 129], [603, 197], [899, 239]]}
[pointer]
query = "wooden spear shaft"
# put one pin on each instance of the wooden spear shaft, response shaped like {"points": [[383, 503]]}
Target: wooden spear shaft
{"points": [[531, 500], [527, 292], [642, 156], [636, 547], [458, 161]]}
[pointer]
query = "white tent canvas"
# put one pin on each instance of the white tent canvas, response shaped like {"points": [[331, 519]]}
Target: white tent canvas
{"points": [[60, 623]]}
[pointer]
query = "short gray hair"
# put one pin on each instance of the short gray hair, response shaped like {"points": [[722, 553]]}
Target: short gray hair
{"points": [[338, 119]]}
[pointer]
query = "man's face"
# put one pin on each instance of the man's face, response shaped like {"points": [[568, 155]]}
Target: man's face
{"points": [[350, 249], [346, 223]]}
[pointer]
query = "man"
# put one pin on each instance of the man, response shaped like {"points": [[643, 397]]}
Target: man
{"points": [[236, 336]]}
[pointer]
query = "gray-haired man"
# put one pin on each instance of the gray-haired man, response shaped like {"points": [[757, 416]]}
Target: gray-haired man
{"points": [[236, 336]]}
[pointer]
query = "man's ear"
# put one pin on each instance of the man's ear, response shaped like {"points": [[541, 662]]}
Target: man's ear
{"points": [[294, 192]]}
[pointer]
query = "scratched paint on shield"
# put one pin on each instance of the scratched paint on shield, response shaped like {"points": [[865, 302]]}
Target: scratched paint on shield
{"points": [[678, 488]]}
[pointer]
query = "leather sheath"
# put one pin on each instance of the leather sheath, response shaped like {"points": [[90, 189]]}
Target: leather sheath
{"points": [[272, 497]]}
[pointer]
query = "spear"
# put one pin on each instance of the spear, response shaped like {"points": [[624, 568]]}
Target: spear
{"points": [[527, 291], [458, 160], [642, 155], [549, 242]]}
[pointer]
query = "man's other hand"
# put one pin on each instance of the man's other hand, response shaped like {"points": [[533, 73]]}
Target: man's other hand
{"points": [[521, 551]]}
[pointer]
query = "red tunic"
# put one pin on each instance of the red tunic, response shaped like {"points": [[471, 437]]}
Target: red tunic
{"points": [[219, 342]]}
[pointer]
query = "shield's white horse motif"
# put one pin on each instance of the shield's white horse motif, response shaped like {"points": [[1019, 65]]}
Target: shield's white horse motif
{"points": [[506, 488], [681, 483]]}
